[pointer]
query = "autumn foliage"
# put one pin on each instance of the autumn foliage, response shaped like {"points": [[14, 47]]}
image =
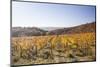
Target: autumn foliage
{"points": [[53, 48]]}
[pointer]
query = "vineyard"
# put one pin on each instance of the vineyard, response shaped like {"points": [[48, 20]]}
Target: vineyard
{"points": [[53, 49]]}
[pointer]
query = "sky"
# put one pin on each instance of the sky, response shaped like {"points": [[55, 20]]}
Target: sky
{"points": [[28, 14]]}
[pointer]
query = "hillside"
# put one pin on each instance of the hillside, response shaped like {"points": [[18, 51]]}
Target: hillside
{"points": [[34, 31], [84, 28], [27, 31]]}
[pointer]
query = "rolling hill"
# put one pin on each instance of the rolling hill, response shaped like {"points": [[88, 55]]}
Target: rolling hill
{"points": [[84, 28], [34, 31], [27, 31]]}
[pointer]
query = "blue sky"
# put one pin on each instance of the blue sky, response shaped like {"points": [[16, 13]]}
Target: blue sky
{"points": [[28, 14]]}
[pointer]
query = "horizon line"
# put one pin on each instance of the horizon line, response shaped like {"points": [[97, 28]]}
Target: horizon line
{"points": [[56, 26]]}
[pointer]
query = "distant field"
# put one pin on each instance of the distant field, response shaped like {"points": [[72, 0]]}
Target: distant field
{"points": [[53, 49]]}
